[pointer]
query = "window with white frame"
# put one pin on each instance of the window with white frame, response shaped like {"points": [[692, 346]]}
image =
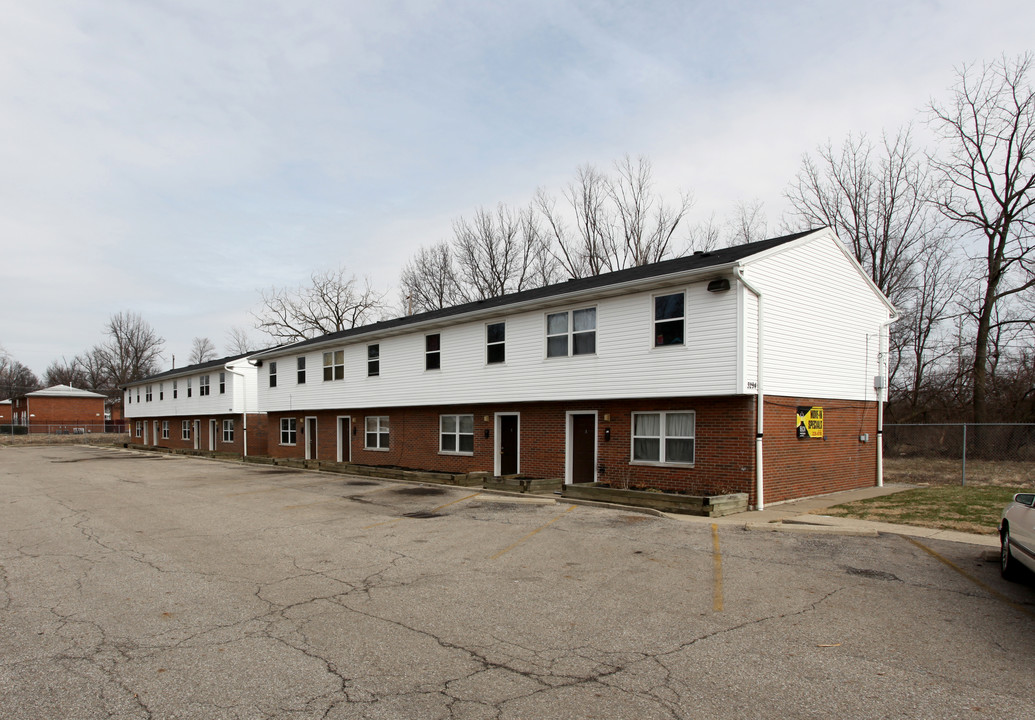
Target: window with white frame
{"points": [[139, 428], [185, 430], [376, 436], [161, 391], [147, 394], [228, 431], [300, 369], [273, 374], [165, 429], [456, 434], [222, 383], [203, 387], [571, 333], [188, 387], [663, 437], [176, 390], [138, 394], [496, 343], [334, 365], [432, 352], [669, 318], [373, 360], [288, 431]]}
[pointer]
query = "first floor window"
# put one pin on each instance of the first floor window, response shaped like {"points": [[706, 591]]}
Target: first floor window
{"points": [[165, 429], [664, 437], [669, 315], [185, 430], [288, 431], [377, 432], [139, 428], [228, 431], [456, 433]]}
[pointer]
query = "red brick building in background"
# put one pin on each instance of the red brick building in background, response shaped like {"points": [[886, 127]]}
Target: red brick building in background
{"points": [[59, 409]]}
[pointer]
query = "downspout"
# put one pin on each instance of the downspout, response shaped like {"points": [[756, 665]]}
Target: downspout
{"points": [[738, 271], [244, 404], [882, 392]]}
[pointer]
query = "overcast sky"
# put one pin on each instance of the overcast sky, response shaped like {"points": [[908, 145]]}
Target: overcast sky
{"points": [[172, 158]]}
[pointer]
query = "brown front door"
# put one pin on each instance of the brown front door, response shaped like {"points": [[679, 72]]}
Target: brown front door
{"points": [[508, 444], [583, 448]]}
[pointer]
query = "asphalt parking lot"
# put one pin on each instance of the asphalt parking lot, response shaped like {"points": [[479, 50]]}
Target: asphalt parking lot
{"points": [[136, 585]]}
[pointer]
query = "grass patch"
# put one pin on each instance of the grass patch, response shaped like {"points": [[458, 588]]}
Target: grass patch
{"points": [[971, 509]]}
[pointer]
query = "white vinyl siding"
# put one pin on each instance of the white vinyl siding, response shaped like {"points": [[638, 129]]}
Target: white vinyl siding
{"points": [[821, 323]]}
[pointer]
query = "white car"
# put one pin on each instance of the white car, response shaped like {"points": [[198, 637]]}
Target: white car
{"points": [[1017, 536]]}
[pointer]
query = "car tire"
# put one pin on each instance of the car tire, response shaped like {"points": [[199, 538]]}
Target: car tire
{"points": [[1007, 565]]}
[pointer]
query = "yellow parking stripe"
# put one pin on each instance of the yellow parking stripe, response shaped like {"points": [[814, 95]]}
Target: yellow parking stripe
{"points": [[454, 502], [716, 570], [526, 537], [987, 588]]}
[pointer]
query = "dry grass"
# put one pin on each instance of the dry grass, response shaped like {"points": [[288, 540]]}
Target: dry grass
{"points": [[941, 472], [941, 501]]}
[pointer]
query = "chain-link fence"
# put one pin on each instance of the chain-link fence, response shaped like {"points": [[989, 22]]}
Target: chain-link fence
{"points": [[988, 453]]}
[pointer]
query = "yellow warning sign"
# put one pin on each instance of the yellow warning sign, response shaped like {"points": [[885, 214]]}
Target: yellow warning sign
{"points": [[810, 422]]}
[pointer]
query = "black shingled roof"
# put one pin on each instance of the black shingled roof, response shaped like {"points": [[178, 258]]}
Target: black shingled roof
{"points": [[697, 261]]}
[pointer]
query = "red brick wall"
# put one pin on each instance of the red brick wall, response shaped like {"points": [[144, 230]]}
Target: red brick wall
{"points": [[70, 411], [840, 461], [257, 440], [724, 453]]}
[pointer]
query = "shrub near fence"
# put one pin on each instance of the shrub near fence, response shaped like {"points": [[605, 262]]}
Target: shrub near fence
{"points": [[1009, 448]]}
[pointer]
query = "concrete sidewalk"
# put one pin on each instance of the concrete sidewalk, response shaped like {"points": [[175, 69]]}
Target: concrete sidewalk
{"points": [[805, 516]]}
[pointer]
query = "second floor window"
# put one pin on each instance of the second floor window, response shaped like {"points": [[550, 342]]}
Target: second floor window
{"points": [[203, 387], [161, 391], [147, 394], [222, 383], [300, 366], [334, 365], [573, 333], [176, 391], [432, 352], [669, 314], [496, 343], [273, 374], [188, 387], [373, 360]]}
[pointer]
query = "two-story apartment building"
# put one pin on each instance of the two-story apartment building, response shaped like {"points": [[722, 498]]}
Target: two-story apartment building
{"points": [[209, 406], [755, 368]]}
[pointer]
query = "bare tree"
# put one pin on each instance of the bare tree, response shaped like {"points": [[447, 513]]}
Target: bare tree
{"points": [[239, 342], [988, 192], [132, 351], [333, 301], [499, 252], [428, 281], [611, 222], [877, 199], [65, 372], [201, 350], [748, 223], [15, 378]]}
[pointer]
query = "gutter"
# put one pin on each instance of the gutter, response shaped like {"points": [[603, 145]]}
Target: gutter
{"points": [[738, 272], [244, 403], [882, 392]]}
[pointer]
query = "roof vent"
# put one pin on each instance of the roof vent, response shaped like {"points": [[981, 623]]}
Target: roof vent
{"points": [[719, 285], [698, 252]]}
